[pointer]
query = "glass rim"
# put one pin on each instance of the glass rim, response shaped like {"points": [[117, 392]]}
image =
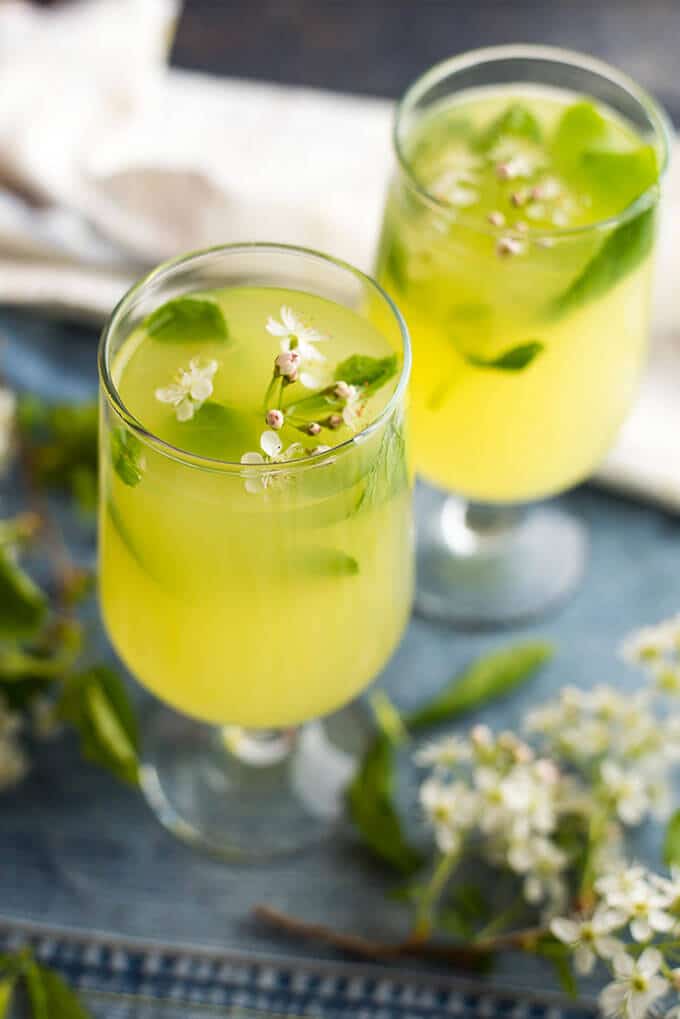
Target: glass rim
{"points": [[110, 390], [557, 55]]}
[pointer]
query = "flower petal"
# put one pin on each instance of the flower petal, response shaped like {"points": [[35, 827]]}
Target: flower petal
{"points": [[185, 410], [171, 394], [650, 962], [252, 458], [201, 388], [565, 930], [253, 486], [271, 444]]}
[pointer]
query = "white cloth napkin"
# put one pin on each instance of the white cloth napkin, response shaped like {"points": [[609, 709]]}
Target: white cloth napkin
{"points": [[84, 101]]}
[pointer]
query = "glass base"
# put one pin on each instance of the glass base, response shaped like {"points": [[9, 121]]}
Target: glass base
{"points": [[483, 566], [249, 795]]}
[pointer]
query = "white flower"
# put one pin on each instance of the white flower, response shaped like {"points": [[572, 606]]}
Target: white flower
{"points": [[669, 887], [620, 881], [450, 809], [637, 986], [628, 791], [193, 387], [650, 643], [8, 405], [354, 406], [296, 336], [588, 938], [444, 754], [645, 907], [272, 452]]}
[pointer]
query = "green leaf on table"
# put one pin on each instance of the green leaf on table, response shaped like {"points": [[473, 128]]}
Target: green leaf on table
{"points": [[6, 994], [620, 177], [185, 319], [516, 359], [516, 121], [96, 703], [23, 606], [371, 807], [560, 957], [62, 1002], [127, 456], [671, 842], [370, 372], [36, 990], [316, 561], [61, 441], [580, 127], [487, 678], [620, 253]]}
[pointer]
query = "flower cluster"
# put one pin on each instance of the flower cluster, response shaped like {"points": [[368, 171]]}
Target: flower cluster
{"points": [[191, 388], [299, 358], [642, 906], [495, 790], [656, 649]]}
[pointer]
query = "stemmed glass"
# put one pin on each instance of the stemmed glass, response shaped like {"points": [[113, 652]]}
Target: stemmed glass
{"points": [[491, 440], [267, 613]]}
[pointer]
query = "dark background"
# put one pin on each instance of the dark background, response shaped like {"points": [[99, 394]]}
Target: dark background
{"points": [[379, 46]]}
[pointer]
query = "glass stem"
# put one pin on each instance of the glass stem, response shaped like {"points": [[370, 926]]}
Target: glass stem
{"points": [[473, 528]]}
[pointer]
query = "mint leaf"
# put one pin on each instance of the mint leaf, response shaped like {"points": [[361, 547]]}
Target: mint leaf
{"points": [[513, 360], [370, 372], [580, 127], [36, 991], [23, 606], [487, 678], [516, 121], [370, 804], [671, 842], [624, 250], [620, 177], [96, 703], [127, 456], [62, 1002], [6, 993], [325, 562], [185, 319]]}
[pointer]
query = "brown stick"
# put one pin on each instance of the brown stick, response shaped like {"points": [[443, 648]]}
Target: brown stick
{"points": [[466, 956]]}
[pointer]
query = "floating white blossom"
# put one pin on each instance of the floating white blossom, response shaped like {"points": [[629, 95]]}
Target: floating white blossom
{"points": [[296, 335], [193, 386], [272, 452]]}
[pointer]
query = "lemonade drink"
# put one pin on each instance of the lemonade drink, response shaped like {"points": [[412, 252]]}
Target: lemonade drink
{"points": [[529, 321], [254, 571]]}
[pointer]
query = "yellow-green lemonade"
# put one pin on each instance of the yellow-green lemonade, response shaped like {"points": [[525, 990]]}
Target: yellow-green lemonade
{"points": [[515, 250], [256, 553]]}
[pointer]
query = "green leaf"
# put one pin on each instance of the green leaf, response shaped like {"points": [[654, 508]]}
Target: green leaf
{"points": [[491, 676], [97, 704], [185, 319], [513, 360], [370, 372], [671, 842], [62, 444], [622, 251], [127, 456], [620, 177], [559, 956], [36, 990], [316, 561], [516, 121], [580, 127], [6, 994], [62, 1002], [23, 606], [370, 803]]}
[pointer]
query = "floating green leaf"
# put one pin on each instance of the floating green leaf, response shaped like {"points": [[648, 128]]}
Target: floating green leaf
{"points": [[315, 561], [621, 252], [671, 842], [516, 359], [23, 606], [620, 177], [370, 372], [127, 456], [491, 676], [517, 121], [580, 127], [96, 703], [187, 319]]}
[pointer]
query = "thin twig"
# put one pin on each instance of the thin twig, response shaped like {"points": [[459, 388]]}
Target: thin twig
{"points": [[466, 956]]}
